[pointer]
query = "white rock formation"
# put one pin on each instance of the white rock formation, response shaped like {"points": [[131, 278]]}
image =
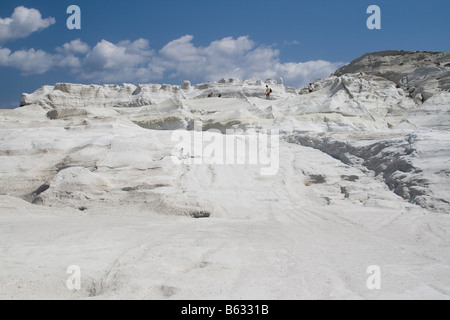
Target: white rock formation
{"points": [[424, 73], [96, 176]]}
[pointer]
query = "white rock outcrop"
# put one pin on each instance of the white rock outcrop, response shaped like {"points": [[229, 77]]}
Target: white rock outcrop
{"points": [[419, 73], [98, 178], [363, 100]]}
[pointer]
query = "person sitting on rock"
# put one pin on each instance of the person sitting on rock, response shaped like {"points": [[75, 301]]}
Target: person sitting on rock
{"points": [[310, 88]]}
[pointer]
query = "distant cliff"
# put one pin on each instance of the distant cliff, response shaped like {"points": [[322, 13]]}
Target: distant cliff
{"points": [[422, 74]]}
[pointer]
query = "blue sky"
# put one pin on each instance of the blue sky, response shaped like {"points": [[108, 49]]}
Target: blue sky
{"points": [[145, 41]]}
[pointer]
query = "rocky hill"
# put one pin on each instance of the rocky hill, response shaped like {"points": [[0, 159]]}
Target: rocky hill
{"points": [[420, 74]]}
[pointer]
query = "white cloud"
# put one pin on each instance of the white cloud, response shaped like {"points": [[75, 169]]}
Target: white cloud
{"points": [[229, 47], [135, 61], [180, 50], [28, 61], [236, 58], [105, 62], [74, 47], [22, 23], [125, 61], [222, 58], [69, 61]]}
